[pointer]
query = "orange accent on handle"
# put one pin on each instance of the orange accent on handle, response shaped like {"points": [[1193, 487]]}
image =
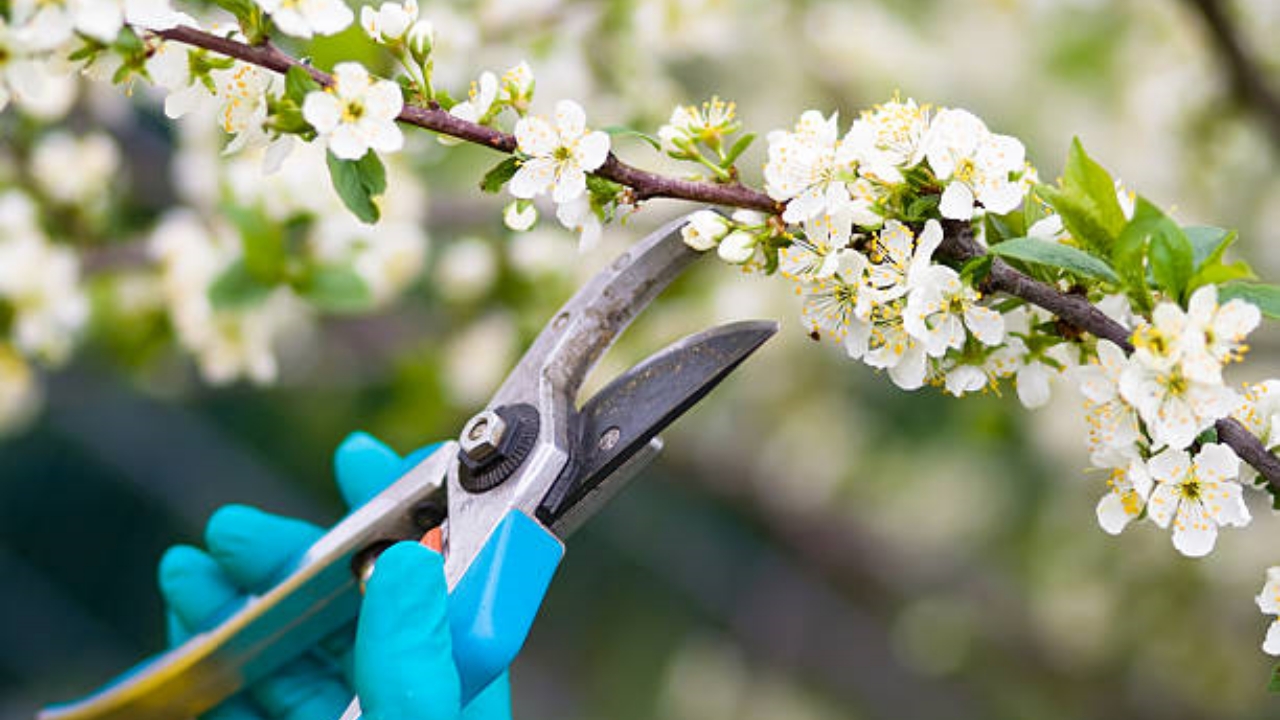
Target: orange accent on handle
{"points": [[434, 539]]}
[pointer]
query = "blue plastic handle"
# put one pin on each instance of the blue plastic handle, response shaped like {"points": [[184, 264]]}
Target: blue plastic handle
{"points": [[493, 605]]}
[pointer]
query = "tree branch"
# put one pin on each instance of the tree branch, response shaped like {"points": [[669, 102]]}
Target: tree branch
{"points": [[959, 243], [645, 185], [1248, 81]]}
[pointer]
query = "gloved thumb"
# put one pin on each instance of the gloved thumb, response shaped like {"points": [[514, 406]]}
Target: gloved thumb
{"points": [[404, 667]]}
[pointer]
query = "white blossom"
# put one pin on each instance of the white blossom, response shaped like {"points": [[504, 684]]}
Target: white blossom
{"points": [[977, 163], [1268, 601], [888, 139], [965, 378], [939, 309], [242, 92], [831, 309], [51, 23], [1033, 372], [690, 125], [389, 23], [1214, 334], [1196, 496], [1112, 421], [357, 114], [1175, 406], [578, 216], [479, 100], [807, 168], [899, 260], [517, 87], [1129, 485], [304, 18], [823, 250], [559, 155]]}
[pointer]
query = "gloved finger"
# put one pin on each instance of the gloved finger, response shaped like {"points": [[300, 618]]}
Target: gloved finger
{"points": [[305, 689], [364, 466], [404, 653], [338, 648], [255, 548], [196, 589], [493, 702]]}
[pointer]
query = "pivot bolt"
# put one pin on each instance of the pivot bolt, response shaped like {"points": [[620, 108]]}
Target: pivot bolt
{"points": [[482, 436]]}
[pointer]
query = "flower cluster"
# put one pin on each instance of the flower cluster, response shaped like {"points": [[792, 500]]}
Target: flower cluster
{"points": [[865, 214], [1146, 412], [557, 155]]}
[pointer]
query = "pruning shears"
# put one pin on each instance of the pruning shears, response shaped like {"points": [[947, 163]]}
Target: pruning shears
{"points": [[498, 503]]}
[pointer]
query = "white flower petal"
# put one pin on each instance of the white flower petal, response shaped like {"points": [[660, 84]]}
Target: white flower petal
{"points": [[535, 136], [957, 202], [1271, 645], [1194, 534], [571, 120], [592, 150], [534, 178], [1111, 512]]}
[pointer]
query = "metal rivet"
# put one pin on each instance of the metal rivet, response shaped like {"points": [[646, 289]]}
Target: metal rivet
{"points": [[609, 439]]}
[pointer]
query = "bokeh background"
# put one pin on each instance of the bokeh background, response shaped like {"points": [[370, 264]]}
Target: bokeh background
{"points": [[814, 543]]}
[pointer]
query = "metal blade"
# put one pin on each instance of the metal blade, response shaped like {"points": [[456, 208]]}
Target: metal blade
{"points": [[623, 417]]}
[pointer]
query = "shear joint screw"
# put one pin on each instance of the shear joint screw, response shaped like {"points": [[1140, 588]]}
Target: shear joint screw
{"points": [[482, 435]]}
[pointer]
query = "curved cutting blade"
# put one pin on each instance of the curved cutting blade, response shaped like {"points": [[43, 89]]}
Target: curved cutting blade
{"points": [[626, 415]]}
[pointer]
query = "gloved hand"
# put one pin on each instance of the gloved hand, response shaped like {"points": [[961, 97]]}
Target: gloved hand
{"points": [[400, 660]]}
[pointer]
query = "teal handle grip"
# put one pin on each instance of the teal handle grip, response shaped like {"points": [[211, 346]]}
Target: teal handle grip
{"points": [[493, 605]]}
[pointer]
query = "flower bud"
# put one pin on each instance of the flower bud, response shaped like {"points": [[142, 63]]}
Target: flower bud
{"points": [[420, 40], [704, 230]]}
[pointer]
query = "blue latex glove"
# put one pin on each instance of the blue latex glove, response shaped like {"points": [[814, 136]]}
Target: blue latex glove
{"points": [[400, 660]]}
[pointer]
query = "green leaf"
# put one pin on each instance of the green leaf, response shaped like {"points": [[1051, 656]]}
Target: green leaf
{"points": [[1079, 219], [1210, 245], [1208, 241], [337, 289], [977, 269], [499, 175], [923, 207], [1151, 239], [298, 83], [1172, 259], [1266, 297], [242, 9], [237, 288], [739, 147], [1086, 179], [1043, 252], [623, 131], [360, 184]]}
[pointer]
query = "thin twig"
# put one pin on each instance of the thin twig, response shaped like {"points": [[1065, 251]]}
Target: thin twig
{"points": [[645, 185], [959, 244], [1248, 80]]}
